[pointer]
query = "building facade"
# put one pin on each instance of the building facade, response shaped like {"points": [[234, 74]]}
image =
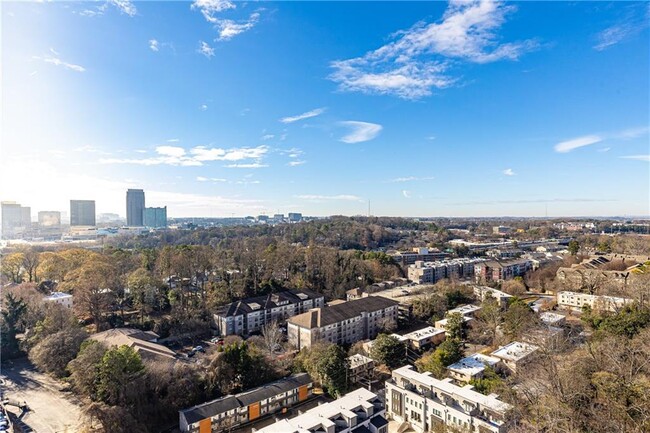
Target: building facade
{"points": [[250, 315], [497, 270], [359, 411], [16, 220], [344, 323], [423, 339], [472, 367], [360, 367], [576, 301], [63, 299], [82, 212], [231, 411], [405, 258], [515, 355], [155, 217], [427, 403], [135, 207], [432, 272]]}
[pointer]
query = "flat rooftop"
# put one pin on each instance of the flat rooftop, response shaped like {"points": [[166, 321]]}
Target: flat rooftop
{"points": [[420, 334], [358, 360], [551, 318], [515, 351], [473, 364]]}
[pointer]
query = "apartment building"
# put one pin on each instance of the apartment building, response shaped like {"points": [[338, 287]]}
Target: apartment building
{"points": [[405, 258], [467, 311], [250, 315], [482, 292], [63, 299], [515, 355], [500, 270], [423, 339], [576, 301], [426, 403], [431, 272], [472, 367], [552, 319], [359, 411], [234, 410], [360, 367], [344, 323]]}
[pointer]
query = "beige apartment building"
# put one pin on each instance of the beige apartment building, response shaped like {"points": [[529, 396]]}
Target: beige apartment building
{"points": [[344, 323]]}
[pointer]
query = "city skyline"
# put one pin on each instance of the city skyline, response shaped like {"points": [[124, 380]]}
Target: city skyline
{"points": [[427, 109]]}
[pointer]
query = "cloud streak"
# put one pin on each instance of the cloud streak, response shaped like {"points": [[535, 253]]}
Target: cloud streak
{"points": [[56, 61], [307, 115], [411, 179], [418, 59], [509, 172], [637, 157], [205, 49], [197, 156], [575, 143], [360, 131]]}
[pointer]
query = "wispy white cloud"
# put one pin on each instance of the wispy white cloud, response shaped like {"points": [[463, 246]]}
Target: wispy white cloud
{"points": [[296, 163], [406, 194], [210, 179], [124, 6], [637, 157], [340, 197], [309, 114], [266, 137], [636, 19], [205, 49], [56, 61], [417, 60], [575, 143], [411, 179], [173, 140], [153, 45], [203, 107], [604, 149], [209, 8], [509, 172], [196, 156], [228, 29], [360, 131], [431, 137], [252, 165]]}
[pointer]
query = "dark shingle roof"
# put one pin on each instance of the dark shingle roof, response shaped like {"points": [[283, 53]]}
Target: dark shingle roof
{"points": [[378, 421], [320, 317], [266, 302], [230, 402]]}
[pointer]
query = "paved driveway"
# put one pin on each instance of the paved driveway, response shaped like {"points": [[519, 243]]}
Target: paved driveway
{"points": [[51, 410]]}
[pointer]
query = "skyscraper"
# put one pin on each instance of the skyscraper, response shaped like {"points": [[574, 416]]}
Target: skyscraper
{"points": [[155, 217], [82, 212], [135, 208], [16, 220]]}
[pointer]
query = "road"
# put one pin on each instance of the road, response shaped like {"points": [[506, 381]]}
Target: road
{"points": [[50, 409]]}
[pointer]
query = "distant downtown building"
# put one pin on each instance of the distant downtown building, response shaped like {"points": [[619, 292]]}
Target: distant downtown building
{"points": [[155, 217], [49, 219], [500, 270], [82, 212], [16, 220], [251, 314], [344, 323], [135, 208]]}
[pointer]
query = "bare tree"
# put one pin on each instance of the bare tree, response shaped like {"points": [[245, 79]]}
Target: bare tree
{"points": [[272, 336]]}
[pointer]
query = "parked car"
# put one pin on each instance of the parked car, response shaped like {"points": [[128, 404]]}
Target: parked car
{"points": [[198, 349], [216, 340]]}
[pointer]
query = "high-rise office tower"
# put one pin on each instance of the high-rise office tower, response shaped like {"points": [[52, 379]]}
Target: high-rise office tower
{"points": [[82, 212], [16, 219], [155, 217], [135, 208]]}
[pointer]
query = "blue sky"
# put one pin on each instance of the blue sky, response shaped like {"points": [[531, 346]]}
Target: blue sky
{"points": [[221, 108]]}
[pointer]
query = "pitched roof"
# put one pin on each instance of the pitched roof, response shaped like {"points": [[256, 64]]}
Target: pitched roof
{"points": [[230, 402], [319, 317], [266, 302], [141, 341]]}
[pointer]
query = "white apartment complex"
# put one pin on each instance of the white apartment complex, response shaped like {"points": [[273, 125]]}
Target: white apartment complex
{"points": [[575, 301], [63, 299], [472, 367], [424, 338], [482, 292], [431, 272], [359, 411], [515, 355], [344, 323], [426, 403], [251, 314]]}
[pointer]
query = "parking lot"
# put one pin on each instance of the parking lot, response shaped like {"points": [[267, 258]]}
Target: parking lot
{"points": [[51, 410]]}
